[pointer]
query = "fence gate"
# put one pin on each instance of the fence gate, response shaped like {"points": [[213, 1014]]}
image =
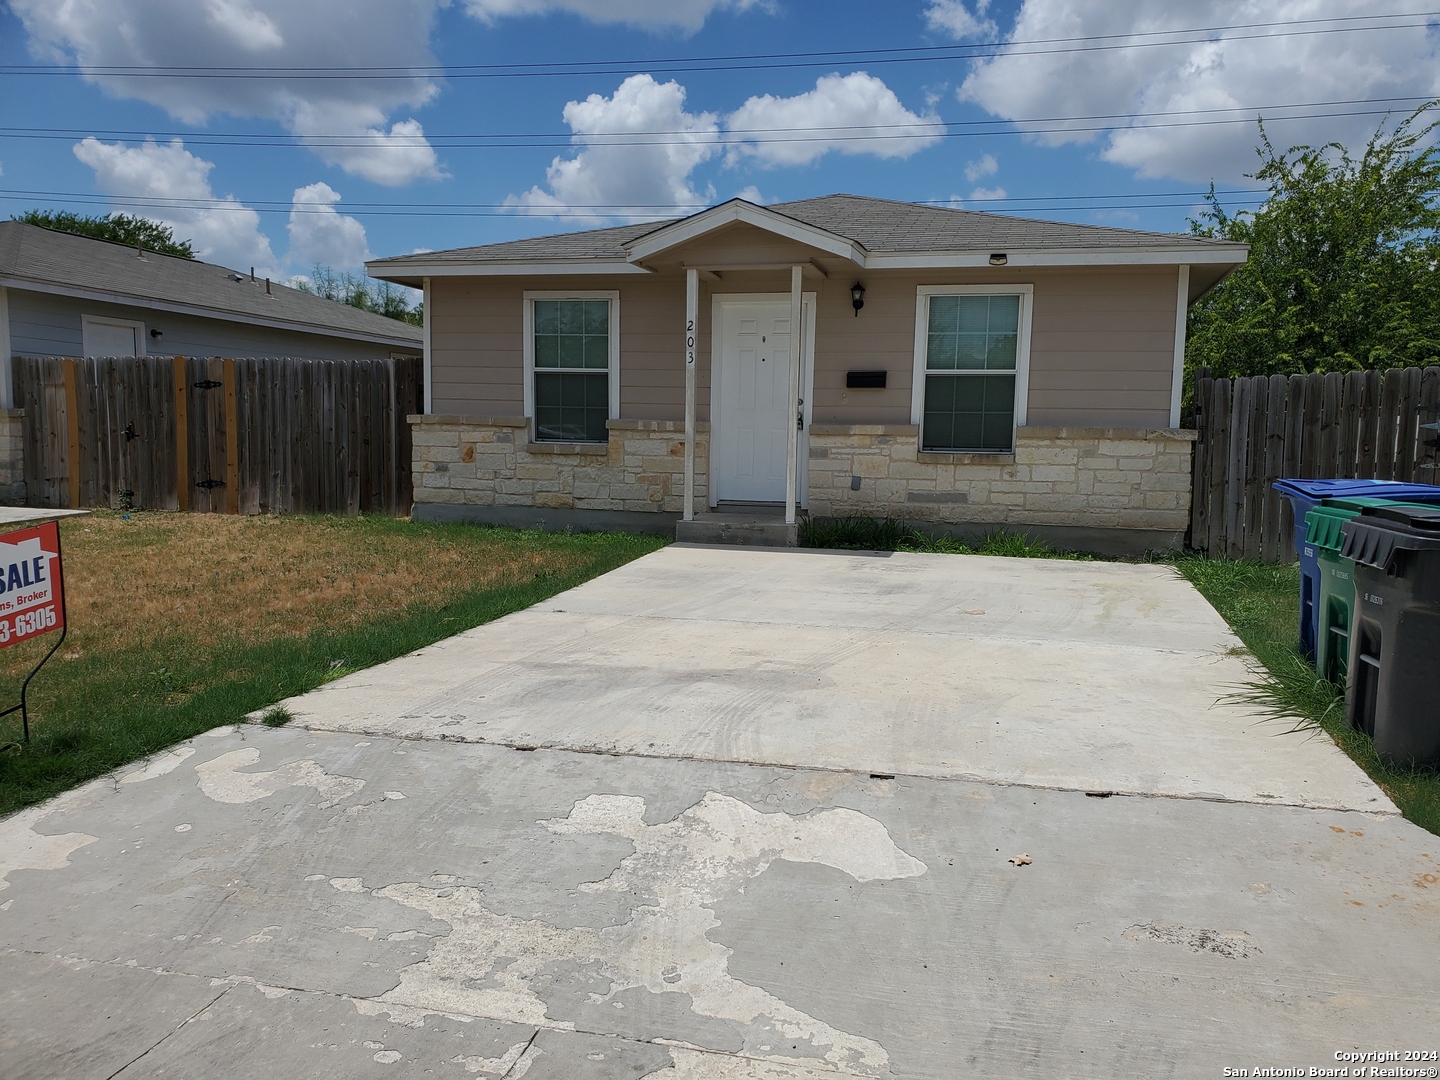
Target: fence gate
{"points": [[250, 436], [1369, 425]]}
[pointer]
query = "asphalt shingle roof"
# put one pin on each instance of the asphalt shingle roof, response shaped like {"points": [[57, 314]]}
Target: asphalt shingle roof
{"points": [[29, 253], [878, 225]]}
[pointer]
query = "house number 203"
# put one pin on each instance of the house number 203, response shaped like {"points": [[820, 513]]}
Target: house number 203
{"points": [[689, 341]]}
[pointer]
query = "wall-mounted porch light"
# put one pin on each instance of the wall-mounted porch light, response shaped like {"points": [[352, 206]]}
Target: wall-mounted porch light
{"points": [[857, 297], [998, 258]]}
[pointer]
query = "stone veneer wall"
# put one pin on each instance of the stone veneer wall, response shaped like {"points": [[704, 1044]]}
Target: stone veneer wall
{"points": [[1109, 478], [12, 457], [489, 461]]}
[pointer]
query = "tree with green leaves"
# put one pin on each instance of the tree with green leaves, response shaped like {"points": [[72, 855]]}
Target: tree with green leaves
{"points": [[121, 228], [382, 298], [1344, 267]]}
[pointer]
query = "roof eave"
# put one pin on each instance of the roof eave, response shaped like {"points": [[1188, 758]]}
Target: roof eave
{"points": [[406, 273], [1158, 256], [106, 296]]}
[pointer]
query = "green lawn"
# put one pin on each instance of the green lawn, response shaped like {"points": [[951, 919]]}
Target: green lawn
{"points": [[1262, 605], [183, 622]]}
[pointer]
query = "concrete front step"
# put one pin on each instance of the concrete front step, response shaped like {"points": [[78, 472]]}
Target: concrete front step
{"points": [[736, 529]]}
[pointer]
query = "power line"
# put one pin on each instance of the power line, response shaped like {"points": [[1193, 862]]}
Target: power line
{"points": [[814, 133], [1019, 204], [753, 62]]}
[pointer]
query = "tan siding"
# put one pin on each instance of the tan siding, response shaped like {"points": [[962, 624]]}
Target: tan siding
{"points": [[1101, 346]]}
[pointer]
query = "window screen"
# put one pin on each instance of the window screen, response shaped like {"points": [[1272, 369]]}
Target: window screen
{"points": [[572, 370], [970, 373]]}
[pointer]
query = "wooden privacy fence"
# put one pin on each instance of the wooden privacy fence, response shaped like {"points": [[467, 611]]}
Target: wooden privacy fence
{"points": [[1361, 424], [247, 436]]}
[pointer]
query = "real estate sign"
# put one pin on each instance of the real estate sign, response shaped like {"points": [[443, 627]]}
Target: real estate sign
{"points": [[31, 597]]}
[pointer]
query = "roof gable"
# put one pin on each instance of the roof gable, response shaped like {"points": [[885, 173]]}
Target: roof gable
{"points": [[738, 211]]}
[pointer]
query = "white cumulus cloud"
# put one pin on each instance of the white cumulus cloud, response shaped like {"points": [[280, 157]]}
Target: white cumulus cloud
{"points": [[850, 114], [954, 18], [687, 16], [623, 169], [1229, 70], [347, 122], [321, 234], [988, 194], [983, 166], [167, 183]]}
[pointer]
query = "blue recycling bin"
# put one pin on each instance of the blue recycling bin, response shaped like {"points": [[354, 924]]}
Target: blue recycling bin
{"points": [[1304, 496]]}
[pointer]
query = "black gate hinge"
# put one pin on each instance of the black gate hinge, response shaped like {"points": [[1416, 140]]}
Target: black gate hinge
{"points": [[208, 384], [209, 483]]}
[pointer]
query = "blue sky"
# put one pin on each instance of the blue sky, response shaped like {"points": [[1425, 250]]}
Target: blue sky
{"points": [[285, 170]]}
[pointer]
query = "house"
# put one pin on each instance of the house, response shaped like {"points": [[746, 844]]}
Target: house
{"points": [[67, 295], [837, 355]]}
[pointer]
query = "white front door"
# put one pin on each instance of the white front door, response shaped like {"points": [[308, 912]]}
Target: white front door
{"points": [[753, 382]]}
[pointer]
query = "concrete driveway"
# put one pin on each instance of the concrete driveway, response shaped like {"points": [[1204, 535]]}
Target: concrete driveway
{"points": [[729, 814]]}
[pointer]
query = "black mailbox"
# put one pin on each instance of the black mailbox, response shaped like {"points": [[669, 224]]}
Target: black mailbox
{"points": [[865, 380]]}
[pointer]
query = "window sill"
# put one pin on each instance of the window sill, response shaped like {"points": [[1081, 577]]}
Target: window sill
{"points": [[588, 449], [966, 457]]}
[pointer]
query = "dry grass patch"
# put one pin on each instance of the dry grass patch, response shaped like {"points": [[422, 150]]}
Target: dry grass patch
{"points": [[182, 622], [220, 579]]}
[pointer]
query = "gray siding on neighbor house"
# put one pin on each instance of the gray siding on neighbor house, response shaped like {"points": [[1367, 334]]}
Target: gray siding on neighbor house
{"points": [[45, 324]]}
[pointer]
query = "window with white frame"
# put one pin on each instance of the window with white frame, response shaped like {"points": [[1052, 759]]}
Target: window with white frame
{"points": [[572, 373], [972, 345]]}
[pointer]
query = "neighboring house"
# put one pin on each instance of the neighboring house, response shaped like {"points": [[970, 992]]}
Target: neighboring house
{"points": [[963, 370], [67, 295]]}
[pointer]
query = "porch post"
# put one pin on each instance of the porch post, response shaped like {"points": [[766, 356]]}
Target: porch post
{"points": [[428, 391], [792, 462], [692, 311]]}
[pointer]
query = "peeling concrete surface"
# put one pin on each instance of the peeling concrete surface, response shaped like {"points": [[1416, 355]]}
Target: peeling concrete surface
{"points": [[266, 902]]}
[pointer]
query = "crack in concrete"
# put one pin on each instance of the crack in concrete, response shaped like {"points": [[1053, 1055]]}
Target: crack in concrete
{"points": [[529, 747], [194, 1016]]}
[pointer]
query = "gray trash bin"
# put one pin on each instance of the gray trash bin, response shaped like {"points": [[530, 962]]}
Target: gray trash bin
{"points": [[1394, 691]]}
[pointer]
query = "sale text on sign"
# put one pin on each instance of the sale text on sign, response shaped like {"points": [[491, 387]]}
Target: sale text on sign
{"points": [[31, 598]]}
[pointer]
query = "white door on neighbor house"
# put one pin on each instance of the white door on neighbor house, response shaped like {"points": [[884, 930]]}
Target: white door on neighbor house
{"points": [[112, 337], [752, 423]]}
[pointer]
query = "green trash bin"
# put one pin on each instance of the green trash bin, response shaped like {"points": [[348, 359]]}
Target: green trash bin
{"points": [[1335, 602]]}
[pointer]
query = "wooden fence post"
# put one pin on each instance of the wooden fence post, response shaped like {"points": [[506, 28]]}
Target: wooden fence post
{"points": [[182, 437], [72, 427], [232, 440]]}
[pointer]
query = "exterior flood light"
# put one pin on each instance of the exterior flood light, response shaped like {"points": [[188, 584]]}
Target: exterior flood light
{"points": [[857, 297], [998, 258]]}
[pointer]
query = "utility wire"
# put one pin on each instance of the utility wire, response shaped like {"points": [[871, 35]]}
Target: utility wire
{"points": [[814, 133], [758, 61], [589, 212]]}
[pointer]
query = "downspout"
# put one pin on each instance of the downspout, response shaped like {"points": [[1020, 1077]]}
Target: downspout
{"points": [[7, 379]]}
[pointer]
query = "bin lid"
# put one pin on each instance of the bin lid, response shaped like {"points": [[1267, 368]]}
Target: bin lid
{"points": [[1322, 525], [1340, 489], [1374, 535]]}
